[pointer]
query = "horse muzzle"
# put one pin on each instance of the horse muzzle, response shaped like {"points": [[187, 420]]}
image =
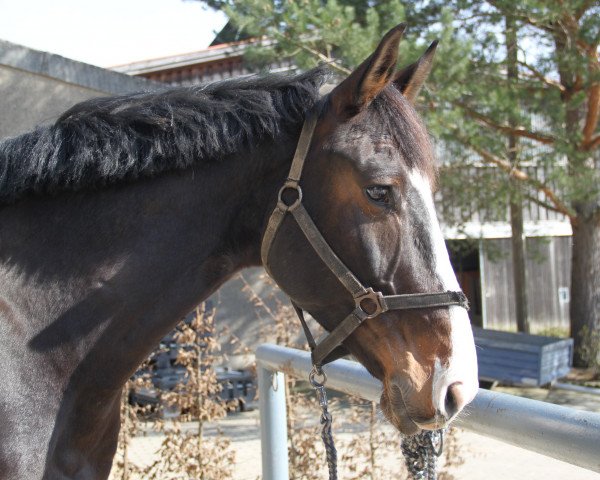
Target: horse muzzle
{"points": [[411, 412]]}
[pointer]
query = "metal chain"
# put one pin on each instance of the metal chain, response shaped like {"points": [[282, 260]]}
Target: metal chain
{"points": [[326, 420], [421, 452]]}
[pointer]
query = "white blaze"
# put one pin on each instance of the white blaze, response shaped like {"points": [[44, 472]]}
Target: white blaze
{"points": [[462, 365]]}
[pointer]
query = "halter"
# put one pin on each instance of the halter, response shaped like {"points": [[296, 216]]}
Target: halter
{"points": [[368, 303]]}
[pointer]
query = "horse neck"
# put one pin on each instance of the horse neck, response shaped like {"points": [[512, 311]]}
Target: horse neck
{"points": [[90, 282], [137, 258], [258, 175]]}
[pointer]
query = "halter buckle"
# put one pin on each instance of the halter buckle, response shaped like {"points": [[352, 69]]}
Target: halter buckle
{"points": [[371, 303], [288, 186]]}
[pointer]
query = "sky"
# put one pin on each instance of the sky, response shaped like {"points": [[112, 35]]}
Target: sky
{"points": [[109, 32]]}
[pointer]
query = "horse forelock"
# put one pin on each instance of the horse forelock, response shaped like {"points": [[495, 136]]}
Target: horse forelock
{"points": [[107, 140], [406, 128]]}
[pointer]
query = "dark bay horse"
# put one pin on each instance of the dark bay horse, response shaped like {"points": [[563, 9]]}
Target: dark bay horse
{"points": [[128, 211]]}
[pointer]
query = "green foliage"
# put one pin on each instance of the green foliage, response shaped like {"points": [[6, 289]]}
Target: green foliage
{"points": [[470, 105], [312, 31]]}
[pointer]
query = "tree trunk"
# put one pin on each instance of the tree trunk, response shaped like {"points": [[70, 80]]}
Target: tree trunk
{"points": [[585, 267], [516, 201], [518, 255], [585, 281]]}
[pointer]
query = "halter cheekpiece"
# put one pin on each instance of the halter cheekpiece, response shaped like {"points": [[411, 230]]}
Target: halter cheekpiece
{"points": [[368, 303]]}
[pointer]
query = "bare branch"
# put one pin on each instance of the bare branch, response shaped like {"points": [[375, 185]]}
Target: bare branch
{"points": [[524, 177], [329, 60], [517, 131], [541, 203], [540, 76], [521, 16], [583, 8], [473, 16]]}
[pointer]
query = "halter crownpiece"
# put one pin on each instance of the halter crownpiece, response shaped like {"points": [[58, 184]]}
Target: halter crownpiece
{"points": [[368, 303]]}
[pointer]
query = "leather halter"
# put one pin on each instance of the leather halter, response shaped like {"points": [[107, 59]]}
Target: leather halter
{"points": [[369, 303]]}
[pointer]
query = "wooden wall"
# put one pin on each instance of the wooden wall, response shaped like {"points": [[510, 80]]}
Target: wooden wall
{"points": [[548, 283]]}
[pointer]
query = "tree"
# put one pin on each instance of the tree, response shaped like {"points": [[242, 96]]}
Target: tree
{"points": [[342, 33], [549, 106]]}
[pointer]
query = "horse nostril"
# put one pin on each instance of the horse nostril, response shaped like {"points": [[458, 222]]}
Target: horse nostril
{"points": [[454, 400]]}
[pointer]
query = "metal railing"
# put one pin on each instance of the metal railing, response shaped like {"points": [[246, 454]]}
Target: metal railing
{"points": [[563, 433]]}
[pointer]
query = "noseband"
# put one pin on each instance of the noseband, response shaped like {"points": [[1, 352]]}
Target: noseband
{"points": [[369, 303]]}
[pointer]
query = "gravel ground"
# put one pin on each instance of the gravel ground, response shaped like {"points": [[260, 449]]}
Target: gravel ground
{"points": [[485, 458]]}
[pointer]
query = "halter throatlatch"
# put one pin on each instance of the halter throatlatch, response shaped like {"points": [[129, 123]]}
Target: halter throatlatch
{"points": [[368, 303]]}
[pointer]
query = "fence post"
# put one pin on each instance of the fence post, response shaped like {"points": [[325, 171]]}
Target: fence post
{"points": [[273, 424]]}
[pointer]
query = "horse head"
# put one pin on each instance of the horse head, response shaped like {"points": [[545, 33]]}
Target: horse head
{"points": [[366, 183]]}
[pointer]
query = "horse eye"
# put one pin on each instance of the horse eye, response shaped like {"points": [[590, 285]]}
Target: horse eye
{"points": [[379, 194]]}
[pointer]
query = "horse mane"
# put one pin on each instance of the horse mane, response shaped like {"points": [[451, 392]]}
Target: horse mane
{"points": [[107, 140]]}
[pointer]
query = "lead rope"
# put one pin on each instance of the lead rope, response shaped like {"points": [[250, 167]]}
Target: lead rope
{"points": [[421, 452], [326, 420]]}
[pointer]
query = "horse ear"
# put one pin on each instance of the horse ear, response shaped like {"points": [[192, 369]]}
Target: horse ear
{"points": [[410, 79], [370, 78]]}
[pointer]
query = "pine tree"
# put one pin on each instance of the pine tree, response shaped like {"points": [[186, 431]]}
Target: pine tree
{"points": [[549, 106]]}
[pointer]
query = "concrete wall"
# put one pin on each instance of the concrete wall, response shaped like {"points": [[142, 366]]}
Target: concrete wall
{"points": [[36, 87], [246, 307]]}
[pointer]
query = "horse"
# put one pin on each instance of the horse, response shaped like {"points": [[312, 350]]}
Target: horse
{"points": [[128, 211]]}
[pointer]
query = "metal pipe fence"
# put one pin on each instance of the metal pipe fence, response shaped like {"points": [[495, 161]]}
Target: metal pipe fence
{"points": [[563, 433]]}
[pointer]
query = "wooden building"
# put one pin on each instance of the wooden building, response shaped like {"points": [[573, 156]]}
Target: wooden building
{"points": [[217, 62]]}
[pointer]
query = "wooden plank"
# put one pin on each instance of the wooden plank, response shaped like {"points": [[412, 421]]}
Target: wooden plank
{"points": [[508, 363], [515, 337], [497, 291]]}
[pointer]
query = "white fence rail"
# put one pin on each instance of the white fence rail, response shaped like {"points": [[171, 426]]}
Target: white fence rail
{"points": [[563, 433]]}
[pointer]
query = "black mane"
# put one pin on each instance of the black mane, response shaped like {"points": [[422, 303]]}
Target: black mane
{"points": [[111, 139]]}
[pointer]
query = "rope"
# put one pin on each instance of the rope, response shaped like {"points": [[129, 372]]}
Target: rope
{"points": [[421, 452], [326, 434]]}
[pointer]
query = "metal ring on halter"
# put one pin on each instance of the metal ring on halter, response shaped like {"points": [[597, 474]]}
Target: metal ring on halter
{"points": [[371, 303], [317, 371], [289, 185]]}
